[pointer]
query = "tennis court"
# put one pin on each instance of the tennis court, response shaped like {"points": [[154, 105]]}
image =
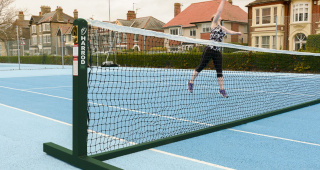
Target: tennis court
{"points": [[36, 107]]}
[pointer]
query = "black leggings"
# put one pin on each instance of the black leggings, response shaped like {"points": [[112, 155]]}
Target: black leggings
{"points": [[216, 56]]}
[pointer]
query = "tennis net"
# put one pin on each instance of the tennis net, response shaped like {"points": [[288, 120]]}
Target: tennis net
{"points": [[138, 91]]}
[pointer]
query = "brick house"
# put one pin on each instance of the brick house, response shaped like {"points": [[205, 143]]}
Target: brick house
{"points": [[130, 41], [10, 47], [44, 29], [283, 24], [195, 21]]}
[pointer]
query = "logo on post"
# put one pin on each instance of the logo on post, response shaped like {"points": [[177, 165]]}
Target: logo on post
{"points": [[83, 31]]}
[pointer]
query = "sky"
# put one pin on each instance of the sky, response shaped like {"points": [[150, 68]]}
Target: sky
{"points": [[99, 9]]}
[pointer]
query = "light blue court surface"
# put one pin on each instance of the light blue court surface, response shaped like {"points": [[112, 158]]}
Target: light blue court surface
{"points": [[36, 107]]}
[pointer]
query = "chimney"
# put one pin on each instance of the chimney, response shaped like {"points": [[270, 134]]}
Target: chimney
{"points": [[131, 15], [59, 13], [177, 9], [230, 1], [21, 16], [75, 14], [45, 10]]}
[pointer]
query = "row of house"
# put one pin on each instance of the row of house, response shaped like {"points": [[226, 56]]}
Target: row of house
{"points": [[274, 24]]}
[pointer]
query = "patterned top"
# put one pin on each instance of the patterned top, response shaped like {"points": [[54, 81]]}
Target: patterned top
{"points": [[217, 35]]}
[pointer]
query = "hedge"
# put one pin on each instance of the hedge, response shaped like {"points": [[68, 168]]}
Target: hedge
{"points": [[52, 60], [240, 61], [313, 43]]}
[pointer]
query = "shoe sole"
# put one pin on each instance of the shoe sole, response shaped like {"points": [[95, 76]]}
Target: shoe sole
{"points": [[222, 95]]}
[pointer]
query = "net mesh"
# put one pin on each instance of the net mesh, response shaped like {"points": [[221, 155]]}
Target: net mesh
{"points": [[138, 92]]}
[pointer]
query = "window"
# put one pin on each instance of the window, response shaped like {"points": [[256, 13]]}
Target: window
{"points": [[257, 16], [206, 27], [64, 38], [34, 40], [40, 39], [119, 37], [39, 28], [266, 16], [136, 37], [275, 14], [174, 31], [245, 27], [46, 39], [34, 29], [192, 32], [300, 41], [69, 37], [265, 42], [257, 42], [46, 27], [124, 38], [300, 12], [274, 42]]}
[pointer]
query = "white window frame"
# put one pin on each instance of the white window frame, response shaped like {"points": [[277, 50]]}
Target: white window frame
{"points": [[193, 32], [270, 16], [298, 42], [206, 27], [275, 14], [299, 10], [124, 40], [136, 37], [34, 29], [258, 16], [40, 39], [274, 42], [267, 44], [256, 40], [174, 31], [46, 27], [34, 40], [46, 39]]}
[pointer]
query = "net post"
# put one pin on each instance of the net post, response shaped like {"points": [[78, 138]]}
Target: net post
{"points": [[79, 104], [78, 156]]}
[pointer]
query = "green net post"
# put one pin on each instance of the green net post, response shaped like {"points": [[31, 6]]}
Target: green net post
{"points": [[78, 155], [80, 89]]}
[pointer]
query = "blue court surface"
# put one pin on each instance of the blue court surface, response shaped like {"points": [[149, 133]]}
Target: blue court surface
{"points": [[36, 107]]}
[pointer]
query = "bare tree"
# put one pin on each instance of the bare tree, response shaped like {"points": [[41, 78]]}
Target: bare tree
{"points": [[8, 15]]}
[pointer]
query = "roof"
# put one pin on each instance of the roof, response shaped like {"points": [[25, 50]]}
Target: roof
{"points": [[203, 11], [148, 23], [257, 2], [51, 17], [65, 30]]}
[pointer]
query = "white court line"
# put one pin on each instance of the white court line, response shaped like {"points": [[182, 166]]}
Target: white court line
{"points": [[155, 150], [35, 93], [48, 87], [274, 137], [169, 117]]}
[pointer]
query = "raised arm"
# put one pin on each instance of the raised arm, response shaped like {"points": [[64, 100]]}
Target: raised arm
{"points": [[230, 32], [218, 13]]}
